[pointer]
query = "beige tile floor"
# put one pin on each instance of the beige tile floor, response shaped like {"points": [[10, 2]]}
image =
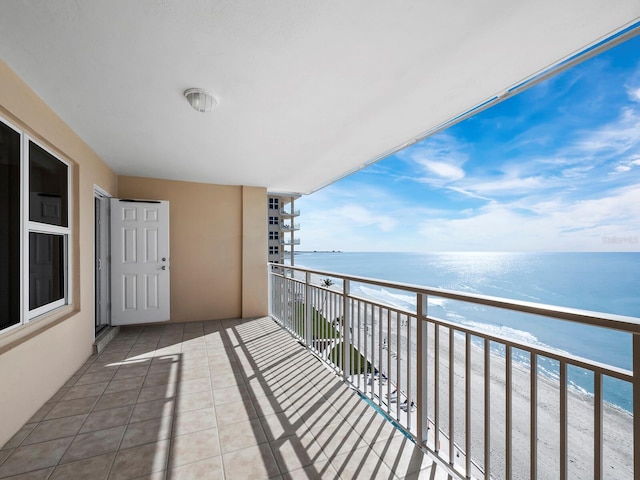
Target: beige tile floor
{"points": [[236, 399]]}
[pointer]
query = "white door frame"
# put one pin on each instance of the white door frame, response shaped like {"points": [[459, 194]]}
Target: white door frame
{"points": [[102, 264]]}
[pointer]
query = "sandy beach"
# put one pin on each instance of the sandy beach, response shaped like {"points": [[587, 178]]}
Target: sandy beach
{"points": [[617, 424], [617, 437]]}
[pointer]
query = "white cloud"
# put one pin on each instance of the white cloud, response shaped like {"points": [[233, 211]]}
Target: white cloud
{"points": [[439, 159], [531, 223], [634, 94], [361, 216], [550, 225], [628, 164], [617, 138], [445, 171], [508, 184]]}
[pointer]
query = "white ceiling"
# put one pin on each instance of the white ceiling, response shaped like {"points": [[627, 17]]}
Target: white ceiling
{"points": [[309, 90]]}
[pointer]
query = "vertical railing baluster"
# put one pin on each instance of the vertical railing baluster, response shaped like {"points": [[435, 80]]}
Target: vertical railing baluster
{"points": [[328, 316], [388, 361], [278, 297], [422, 354], [409, 376], [452, 401], [436, 392], [300, 311], [398, 364], [346, 339], [487, 409], [597, 426], [288, 314], [381, 367], [533, 428], [365, 357], [508, 386], [292, 307], [359, 348], [636, 405], [285, 293], [563, 422], [373, 349], [270, 279], [355, 342], [308, 311], [467, 405], [336, 323]]}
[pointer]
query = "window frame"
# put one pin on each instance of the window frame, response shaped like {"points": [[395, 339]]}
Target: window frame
{"points": [[31, 226], [27, 316]]}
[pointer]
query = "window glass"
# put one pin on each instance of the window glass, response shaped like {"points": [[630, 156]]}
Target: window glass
{"points": [[9, 227], [48, 189], [46, 269]]}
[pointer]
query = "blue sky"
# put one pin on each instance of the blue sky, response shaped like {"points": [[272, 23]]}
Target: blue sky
{"points": [[555, 168]]}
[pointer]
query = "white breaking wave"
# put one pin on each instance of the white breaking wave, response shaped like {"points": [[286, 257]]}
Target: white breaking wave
{"points": [[439, 302], [398, 300], [504, 331]]}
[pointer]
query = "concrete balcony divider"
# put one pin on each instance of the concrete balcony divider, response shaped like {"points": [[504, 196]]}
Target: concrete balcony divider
{"points": [[465, 396]]}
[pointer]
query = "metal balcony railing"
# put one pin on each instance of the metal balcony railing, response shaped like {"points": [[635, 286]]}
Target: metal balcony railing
{"points": [[288, 227], [289, 213], [288, 241], [452, 387]]}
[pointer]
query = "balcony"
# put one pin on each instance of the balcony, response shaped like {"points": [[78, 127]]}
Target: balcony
{"points": [[289, 241], [289, 213], [261, 399], [417, 369], [235, 399], [287, 227]]}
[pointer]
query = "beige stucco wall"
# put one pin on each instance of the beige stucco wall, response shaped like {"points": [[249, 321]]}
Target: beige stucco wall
{"points": [[218, 259], [218, 253], [38, 358], [254, 246]]}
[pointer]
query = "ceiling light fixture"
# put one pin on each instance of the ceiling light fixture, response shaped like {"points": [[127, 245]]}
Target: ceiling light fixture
{"points": [[200, 99]]}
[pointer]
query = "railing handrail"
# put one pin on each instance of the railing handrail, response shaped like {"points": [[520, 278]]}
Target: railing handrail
{"points": [[289, 212], [287, 241], [605, 320], [384, 347], [559, 355]]}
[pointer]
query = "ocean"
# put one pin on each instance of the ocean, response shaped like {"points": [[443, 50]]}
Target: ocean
{"points": [[601, 282]]}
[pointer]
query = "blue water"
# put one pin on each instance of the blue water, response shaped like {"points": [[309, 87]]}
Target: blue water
{"points": [[602, 282]]}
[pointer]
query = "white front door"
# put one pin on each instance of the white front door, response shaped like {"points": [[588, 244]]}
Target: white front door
{"points": [[139, 261]]}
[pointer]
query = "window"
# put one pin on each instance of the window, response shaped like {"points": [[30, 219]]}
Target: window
{"points": [[273, 220], [274, 235], [9, 227], [274, 203], [48, 230], [33, 248], [274, 250]]}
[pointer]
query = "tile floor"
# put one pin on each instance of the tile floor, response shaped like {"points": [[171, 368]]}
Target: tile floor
{"points": [[235, 399]]}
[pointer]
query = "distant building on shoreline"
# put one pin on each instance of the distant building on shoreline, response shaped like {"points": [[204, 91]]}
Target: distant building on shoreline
{"points": [[281, 216]]}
